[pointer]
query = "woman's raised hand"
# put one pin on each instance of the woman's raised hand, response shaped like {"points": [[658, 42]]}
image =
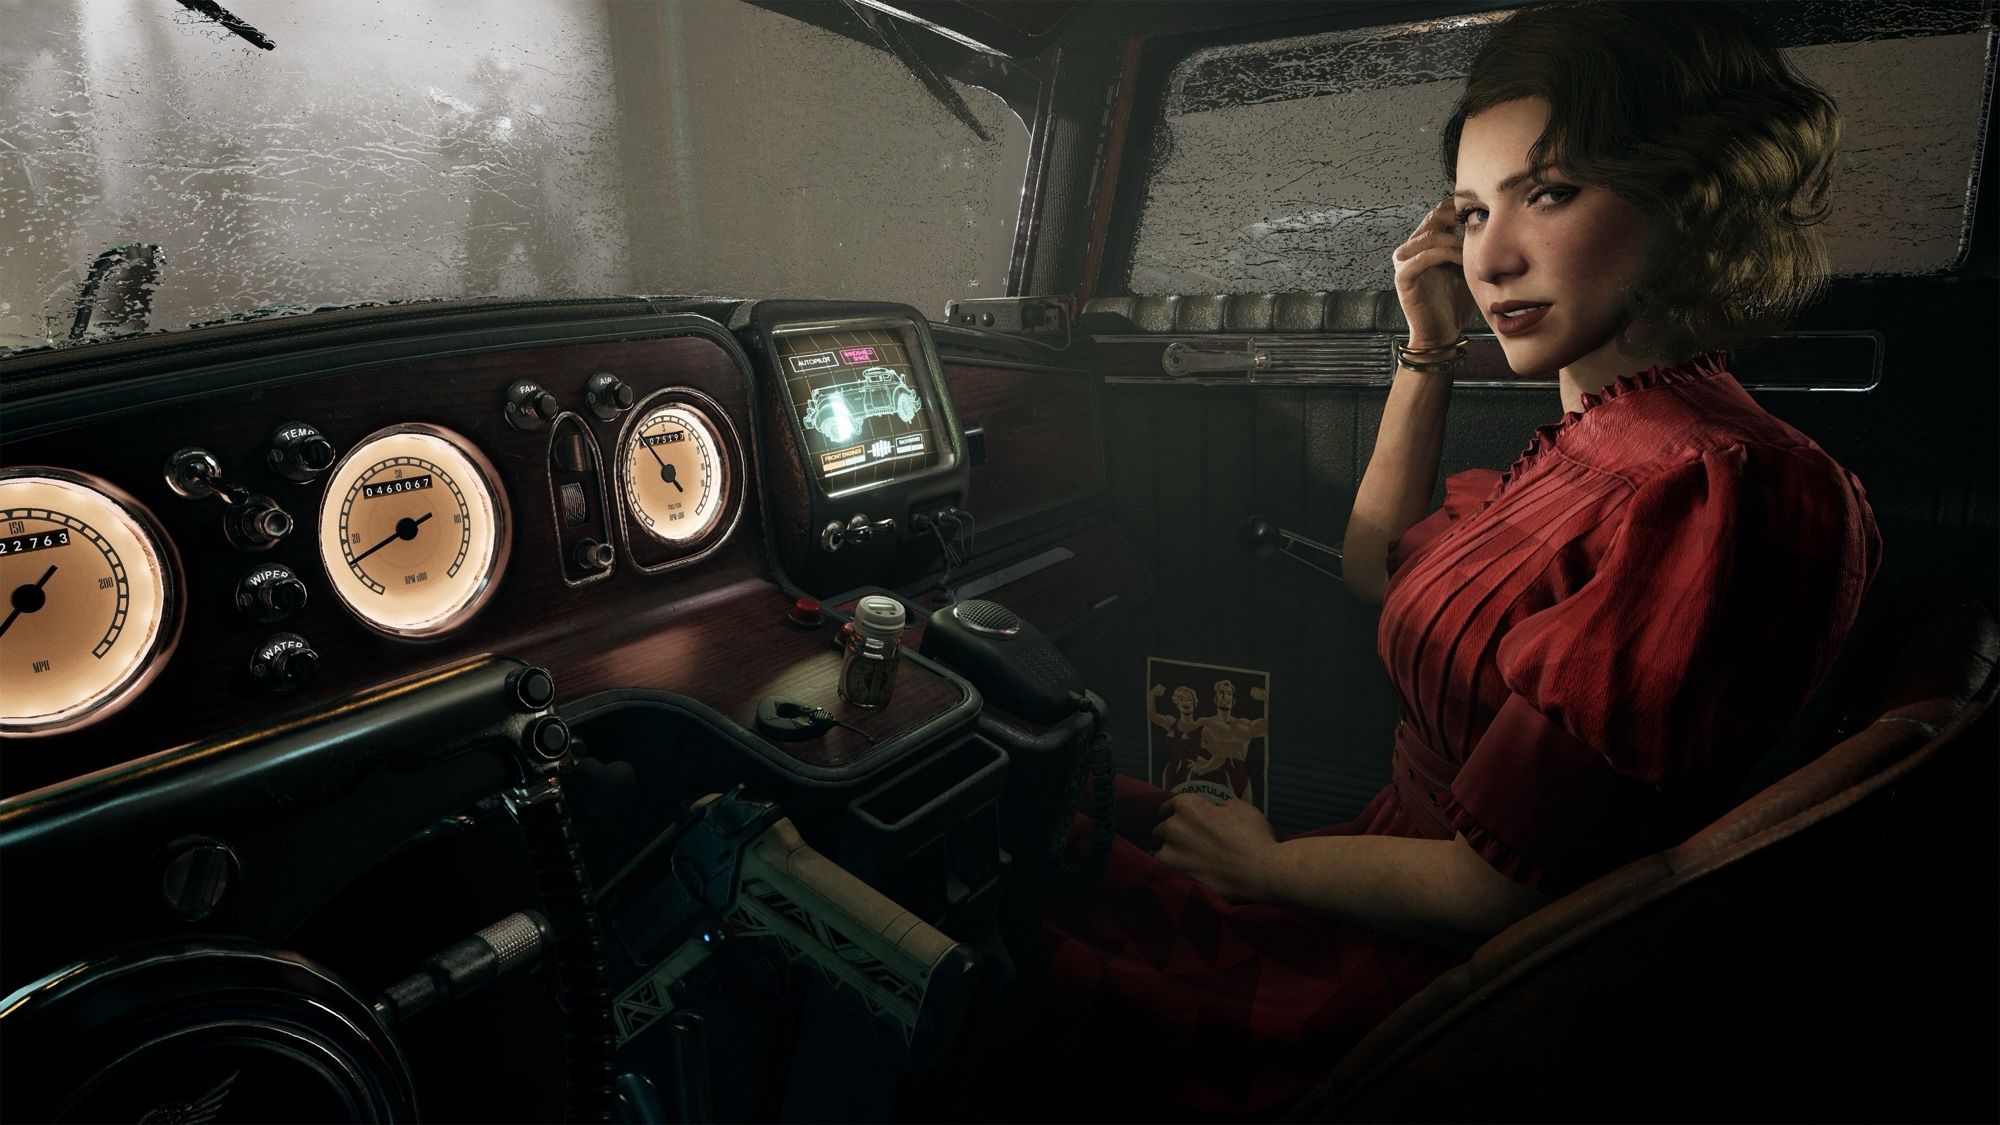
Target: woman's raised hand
{"points": [[1430, 280]]}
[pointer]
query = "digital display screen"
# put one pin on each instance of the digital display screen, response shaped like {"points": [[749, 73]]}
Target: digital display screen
{"points": [[862, 402]]}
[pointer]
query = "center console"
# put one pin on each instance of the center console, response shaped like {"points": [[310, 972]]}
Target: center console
{"points": [[853, 398]]}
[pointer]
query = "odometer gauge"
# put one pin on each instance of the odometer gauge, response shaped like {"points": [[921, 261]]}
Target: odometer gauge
{"points": [[92, 604], [414, 530], [675, 469]]}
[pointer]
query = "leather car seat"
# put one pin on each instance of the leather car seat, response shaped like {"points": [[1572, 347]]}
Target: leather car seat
{"points": [[1825, 950]]}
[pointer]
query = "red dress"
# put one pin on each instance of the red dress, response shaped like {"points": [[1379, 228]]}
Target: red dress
{"points": [[1590, 649]]}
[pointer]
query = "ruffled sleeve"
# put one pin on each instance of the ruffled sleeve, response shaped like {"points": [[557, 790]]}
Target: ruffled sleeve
{"points": [[1727, 593], [1464, 493]]}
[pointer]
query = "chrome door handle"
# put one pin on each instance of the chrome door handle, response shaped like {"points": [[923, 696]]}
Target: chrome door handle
{"points": [[1188, 359]]}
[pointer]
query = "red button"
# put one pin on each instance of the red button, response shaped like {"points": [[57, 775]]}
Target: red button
{"points": [[806, 611]]}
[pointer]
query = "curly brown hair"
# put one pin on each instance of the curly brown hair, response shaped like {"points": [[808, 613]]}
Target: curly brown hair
{"points": [[1688, 112]]}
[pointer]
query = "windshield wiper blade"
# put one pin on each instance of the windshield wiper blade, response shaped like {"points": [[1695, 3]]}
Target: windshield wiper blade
{"points": [[890, 32], [221, 15]]}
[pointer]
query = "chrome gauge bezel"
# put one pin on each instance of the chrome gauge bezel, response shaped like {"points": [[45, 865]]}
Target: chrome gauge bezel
{"points": [[330, 553], [158, 650], [640, 542]]}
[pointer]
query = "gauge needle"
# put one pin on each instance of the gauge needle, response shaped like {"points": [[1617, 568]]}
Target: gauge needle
{"points": [[406, 528], [28, 599], [666, 470]]}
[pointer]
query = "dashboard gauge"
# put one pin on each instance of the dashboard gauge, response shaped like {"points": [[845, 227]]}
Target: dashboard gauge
{"points": [[92, 602], [675, 469], [414, 530]]}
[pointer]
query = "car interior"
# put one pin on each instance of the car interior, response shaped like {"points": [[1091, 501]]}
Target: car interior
{"points": [[576, 561]]}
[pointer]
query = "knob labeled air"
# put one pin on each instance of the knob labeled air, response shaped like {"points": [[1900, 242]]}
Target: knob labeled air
{"points": [[608, 396]]}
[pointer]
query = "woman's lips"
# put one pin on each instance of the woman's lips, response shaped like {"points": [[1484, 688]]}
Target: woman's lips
{"points": [[1515, 325]]}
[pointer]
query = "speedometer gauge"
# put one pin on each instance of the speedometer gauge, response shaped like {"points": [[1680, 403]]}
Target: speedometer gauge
{"points": [[414, 530], [675, 469], [91, 606]]}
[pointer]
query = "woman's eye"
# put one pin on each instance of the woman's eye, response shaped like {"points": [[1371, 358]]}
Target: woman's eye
{"points": [[1557, 195], [1463, 216]]}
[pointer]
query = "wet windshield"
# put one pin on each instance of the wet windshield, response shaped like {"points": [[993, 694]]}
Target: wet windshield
{"points": [[395, 150]]}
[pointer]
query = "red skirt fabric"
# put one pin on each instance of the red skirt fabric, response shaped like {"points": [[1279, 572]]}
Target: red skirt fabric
{"points": [[1170, 1002]]}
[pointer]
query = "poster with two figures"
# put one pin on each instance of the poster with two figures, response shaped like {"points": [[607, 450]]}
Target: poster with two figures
{"points": [[1208, 730]]}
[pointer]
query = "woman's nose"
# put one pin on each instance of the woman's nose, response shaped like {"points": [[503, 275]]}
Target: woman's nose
{"points": [[1497, 254]]}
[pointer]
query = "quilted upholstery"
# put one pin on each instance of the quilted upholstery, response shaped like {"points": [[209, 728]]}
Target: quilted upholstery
{"points": [[1207, 313]]}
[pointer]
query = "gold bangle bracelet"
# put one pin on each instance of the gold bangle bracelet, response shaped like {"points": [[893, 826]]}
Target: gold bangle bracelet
{"points": [[1432, 367], [1457, 345], [1438, 360]]}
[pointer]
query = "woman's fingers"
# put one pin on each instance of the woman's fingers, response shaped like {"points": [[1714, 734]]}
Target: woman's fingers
{"points": [[1420, 242], [1444, 216], [1430, 269], [1425, 259], [1178, 815]]}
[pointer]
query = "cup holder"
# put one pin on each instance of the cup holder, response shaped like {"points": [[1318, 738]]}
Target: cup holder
{"points": [[929, 838]]}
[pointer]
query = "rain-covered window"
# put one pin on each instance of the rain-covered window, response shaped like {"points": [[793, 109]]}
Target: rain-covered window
{"points": [[1301, 163], [389, 150]]}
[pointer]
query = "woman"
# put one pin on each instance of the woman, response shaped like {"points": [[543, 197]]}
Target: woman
{"points": [[1591, 647]]}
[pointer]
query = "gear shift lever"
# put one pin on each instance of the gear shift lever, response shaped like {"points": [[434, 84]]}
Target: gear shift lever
{"points": [[1263, 539]]}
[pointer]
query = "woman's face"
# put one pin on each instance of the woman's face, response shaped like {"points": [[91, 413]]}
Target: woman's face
{"points": [[1568, 253]]}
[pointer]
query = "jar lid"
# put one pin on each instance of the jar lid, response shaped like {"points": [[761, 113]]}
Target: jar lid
{"points": [[877, 614]]}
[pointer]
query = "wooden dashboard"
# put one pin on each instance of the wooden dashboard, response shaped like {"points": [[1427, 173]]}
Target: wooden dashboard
{"points": [[712, 629]]}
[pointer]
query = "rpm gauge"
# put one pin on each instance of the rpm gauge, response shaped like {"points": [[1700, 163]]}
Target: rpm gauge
{"points": [[91, 608], [675, 470], [414, 530]]}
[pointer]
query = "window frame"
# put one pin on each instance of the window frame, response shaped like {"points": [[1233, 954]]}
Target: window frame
{"points": [[1160, 58]]}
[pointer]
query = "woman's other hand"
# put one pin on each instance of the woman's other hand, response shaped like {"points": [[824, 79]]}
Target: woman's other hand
{"points": [[1223, 845], [1430, 280]]}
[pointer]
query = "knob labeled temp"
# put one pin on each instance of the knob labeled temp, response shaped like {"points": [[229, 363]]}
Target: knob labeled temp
{"points": [[300, 453]]}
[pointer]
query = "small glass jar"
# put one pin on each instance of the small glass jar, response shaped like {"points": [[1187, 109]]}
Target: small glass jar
{"points": [[870, 646]]}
